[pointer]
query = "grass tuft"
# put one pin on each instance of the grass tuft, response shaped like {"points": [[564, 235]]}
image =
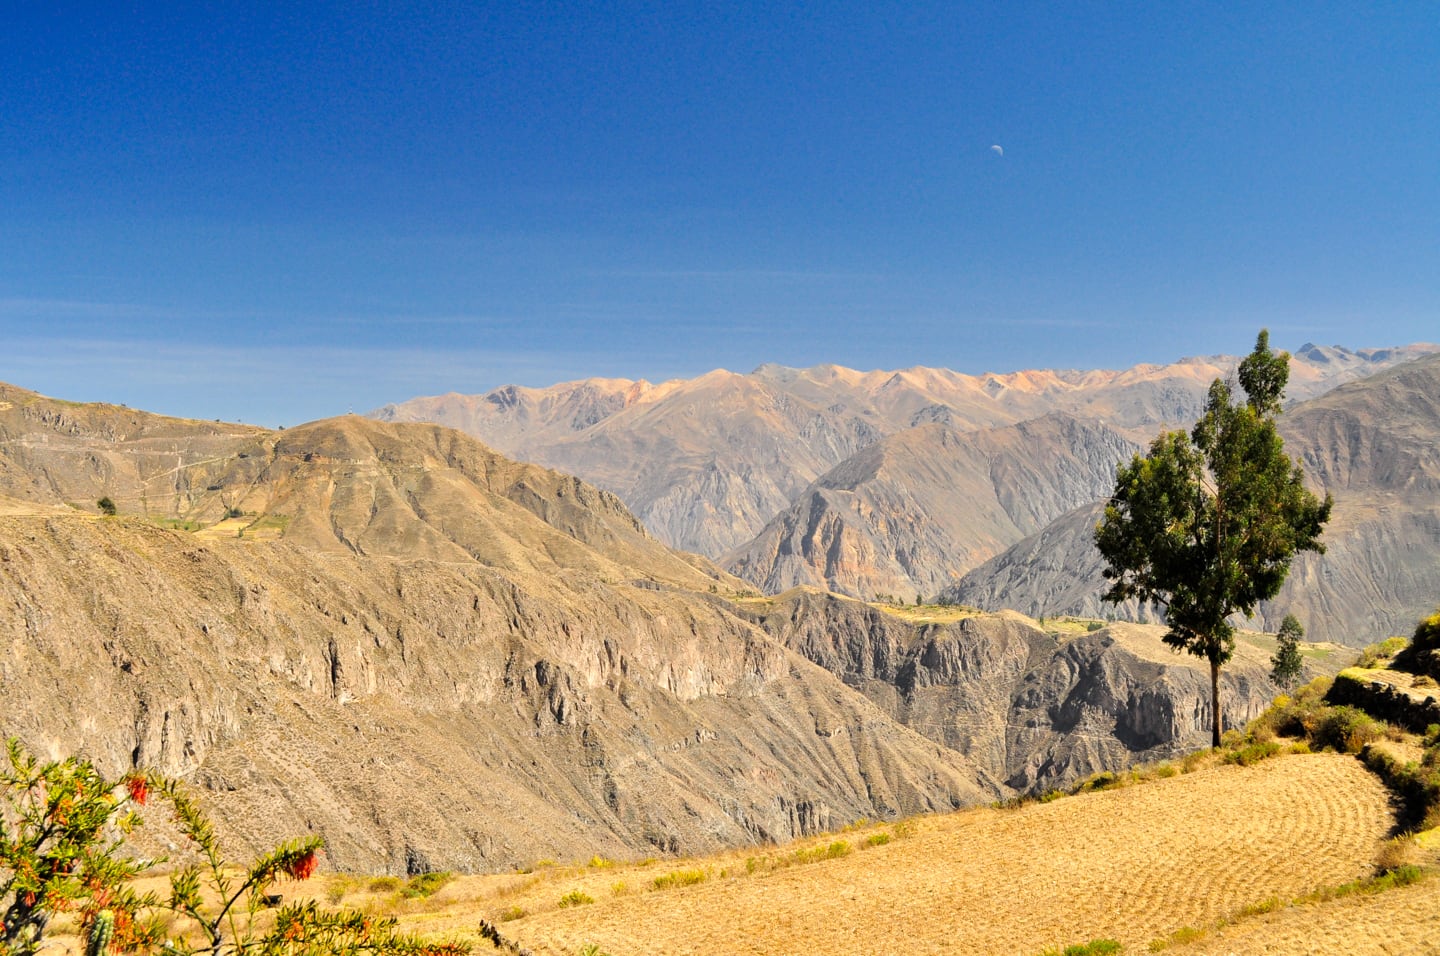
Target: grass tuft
{"points": [[679, 878], [576, 898]]}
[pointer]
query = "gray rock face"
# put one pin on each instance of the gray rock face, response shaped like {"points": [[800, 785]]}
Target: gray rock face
{"points": [[1032, 709]]}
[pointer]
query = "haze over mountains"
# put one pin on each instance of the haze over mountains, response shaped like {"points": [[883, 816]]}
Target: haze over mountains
{"points": [[435, 656], [903, 483]]}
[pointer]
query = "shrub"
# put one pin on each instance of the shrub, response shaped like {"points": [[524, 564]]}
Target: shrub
{"points": [[1096, 947], [877, 839], [106, 506], [1422, 656], [1297, 715], [1386, 649], [1347, 729], [1253, 753], [1396, 854], [512, 912], [71, 862], [816, 853], [576, 898], [1101, 781], [425, 884], [385, 884], [61, 825], [1267, 905], [1417, 785]]}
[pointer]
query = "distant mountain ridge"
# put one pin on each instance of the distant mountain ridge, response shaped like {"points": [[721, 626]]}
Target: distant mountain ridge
{"points": [[707, 463], [1374, 444]]}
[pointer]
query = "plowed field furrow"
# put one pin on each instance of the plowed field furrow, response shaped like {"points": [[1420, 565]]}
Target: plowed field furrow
{"points": [[1133, 864], [1402, 922]]}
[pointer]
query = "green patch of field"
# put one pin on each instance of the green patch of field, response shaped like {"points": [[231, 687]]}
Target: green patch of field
{"points": [[927, 613], [267, 527], [177, 524]]}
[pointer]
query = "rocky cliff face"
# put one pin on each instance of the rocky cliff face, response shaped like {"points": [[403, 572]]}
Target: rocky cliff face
{"points": [[912, 513], [1372, 445], [1033, 708]]}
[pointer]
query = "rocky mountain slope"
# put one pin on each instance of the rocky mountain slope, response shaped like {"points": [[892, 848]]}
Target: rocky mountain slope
{"points": [[435, 656], [429, 654], [706, 463], [1037, 709], [1372, 444], [913, 512]]}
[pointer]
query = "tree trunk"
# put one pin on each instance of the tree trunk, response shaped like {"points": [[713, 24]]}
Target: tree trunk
{"points": [[1216, 720]]}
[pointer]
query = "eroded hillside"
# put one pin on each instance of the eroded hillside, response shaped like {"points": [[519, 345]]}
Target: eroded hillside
{"points": [[435, 656]]}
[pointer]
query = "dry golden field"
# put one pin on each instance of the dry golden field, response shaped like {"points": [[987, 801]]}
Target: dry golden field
{"points": [[1134, 864]]}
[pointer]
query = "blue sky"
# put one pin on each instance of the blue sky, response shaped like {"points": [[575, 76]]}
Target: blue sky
{"points": [[277, 212]]}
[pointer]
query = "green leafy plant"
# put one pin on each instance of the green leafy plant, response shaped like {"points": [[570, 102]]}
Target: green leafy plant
{"points": [[576, 898], [679, 878], [1096, 947], [423, 885], [61, 827], [107, 506]]}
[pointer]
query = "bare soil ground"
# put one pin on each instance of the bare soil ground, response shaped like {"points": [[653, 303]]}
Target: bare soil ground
{"points": [[1134, 864]]}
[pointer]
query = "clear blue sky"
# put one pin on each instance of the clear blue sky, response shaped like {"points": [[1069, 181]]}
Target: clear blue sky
{"points": [[277, 212]]}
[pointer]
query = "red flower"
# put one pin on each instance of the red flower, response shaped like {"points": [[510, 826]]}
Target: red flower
{"points": [[303, 866], [138, 788]]}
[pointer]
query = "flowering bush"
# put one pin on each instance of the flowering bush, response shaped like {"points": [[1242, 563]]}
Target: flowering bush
{"points": [[61, 825], [62, 829]]}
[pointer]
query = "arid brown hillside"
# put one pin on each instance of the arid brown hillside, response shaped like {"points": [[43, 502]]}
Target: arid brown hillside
{"points": [[1373, 444], [706, 463], [913, 512], [425, 652], [437, 657]]}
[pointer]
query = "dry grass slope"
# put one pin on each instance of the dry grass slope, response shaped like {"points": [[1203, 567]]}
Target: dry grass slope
{"points": [[1134, 864]]}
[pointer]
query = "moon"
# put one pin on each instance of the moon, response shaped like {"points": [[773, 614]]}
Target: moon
{"points": [[998, 151]]}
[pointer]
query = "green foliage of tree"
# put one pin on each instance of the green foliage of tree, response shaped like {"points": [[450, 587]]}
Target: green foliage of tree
{"points": [[61, 827], [1206, 524], [1286, 663], [62, 830]]}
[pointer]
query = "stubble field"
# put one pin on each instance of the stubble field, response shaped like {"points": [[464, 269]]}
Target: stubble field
{"points": [[1134, 864]]}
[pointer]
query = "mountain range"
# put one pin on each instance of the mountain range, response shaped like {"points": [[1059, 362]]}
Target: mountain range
{"points": [[438, 657], [929, 483]]}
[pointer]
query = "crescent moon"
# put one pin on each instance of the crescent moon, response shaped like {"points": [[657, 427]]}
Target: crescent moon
{"points": [[998, 150]]}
